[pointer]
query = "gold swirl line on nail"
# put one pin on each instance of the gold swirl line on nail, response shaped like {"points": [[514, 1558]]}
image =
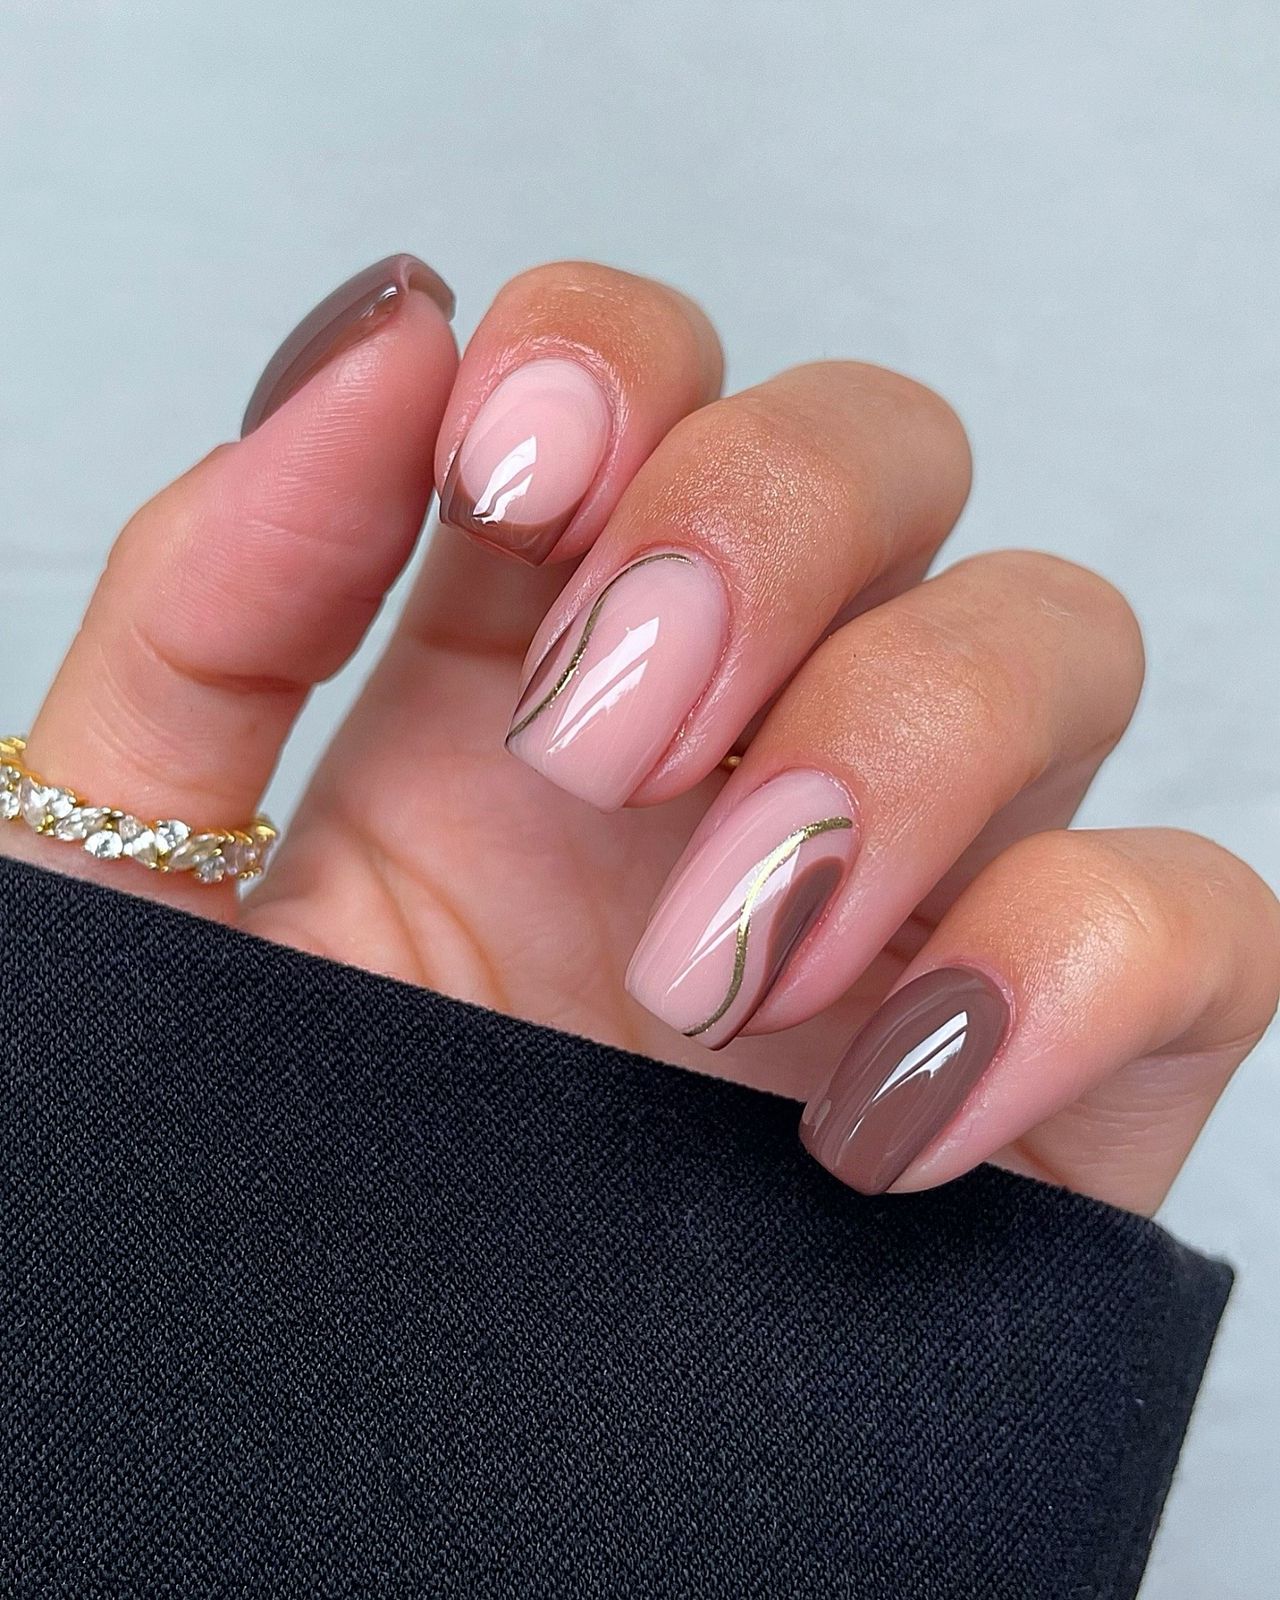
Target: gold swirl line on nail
{"points": [[777, 858], [593, 616]]}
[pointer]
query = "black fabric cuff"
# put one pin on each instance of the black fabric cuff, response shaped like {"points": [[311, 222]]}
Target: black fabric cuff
{"points": [[312, 1283]]}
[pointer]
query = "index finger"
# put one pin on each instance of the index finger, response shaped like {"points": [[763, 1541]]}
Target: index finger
{"points": [[572, 379]]}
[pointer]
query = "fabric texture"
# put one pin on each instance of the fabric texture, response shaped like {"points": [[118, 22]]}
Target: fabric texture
{"points": [[315, 1284]]}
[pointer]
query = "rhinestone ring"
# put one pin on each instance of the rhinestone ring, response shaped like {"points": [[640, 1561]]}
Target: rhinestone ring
{"points": [[109, 835]]}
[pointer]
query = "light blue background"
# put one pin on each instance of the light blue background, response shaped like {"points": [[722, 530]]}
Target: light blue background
{"points": [[1064, 216]]}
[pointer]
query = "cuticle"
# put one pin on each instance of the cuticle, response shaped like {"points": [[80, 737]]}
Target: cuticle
{"points": [[801, 767]]}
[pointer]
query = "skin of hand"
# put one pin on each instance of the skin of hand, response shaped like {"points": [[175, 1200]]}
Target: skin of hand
{"points": [[880, 911]]}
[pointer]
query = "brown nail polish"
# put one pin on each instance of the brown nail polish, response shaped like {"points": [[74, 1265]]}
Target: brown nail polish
{"points": [[351, 313], [905, 1076]]}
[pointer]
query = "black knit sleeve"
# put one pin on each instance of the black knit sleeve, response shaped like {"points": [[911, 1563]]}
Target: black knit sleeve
{"points": [[314, 1284]]}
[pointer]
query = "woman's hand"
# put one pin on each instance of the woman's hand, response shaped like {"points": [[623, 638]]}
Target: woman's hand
{"points": [[749, 576]]}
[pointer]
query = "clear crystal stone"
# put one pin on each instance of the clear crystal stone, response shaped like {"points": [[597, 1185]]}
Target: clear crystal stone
{"points": [[10, 777], [241, 857], [33, 797], [201, 847], [105, 845], [140, 845], [9, 805], [80, 823], [60, 804], [169, 835], [214, 870]]}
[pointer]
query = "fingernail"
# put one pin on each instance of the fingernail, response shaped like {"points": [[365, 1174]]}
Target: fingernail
{"points": [[528, 459], [726, 929], [905, 1076], [346, 317], [614, 689]]}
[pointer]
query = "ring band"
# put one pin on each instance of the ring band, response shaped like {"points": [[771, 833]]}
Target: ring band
{"points": [[212, 856]]}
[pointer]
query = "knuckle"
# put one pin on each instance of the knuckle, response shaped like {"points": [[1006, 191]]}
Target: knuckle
{"points": [[970, 672], [758, 449], [1061, 594], [574, 293], [770, 425], [648, 336], [841, 452], [1222, 875], [1073, 591], [865, 381], [860, 404], [565, 277], [1100, 888], [943, 691], [175, 567]]}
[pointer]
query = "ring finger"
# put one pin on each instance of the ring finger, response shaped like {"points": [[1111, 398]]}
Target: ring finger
{"points": [[1075, 1017], [898, 743]]}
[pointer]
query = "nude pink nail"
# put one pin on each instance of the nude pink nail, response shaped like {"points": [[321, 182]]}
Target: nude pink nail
{"points": [[616, 686], [529, 458], [728, 924]]}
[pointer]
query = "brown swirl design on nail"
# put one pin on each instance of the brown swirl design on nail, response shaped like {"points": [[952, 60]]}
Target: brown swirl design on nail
{"points": [[771, 863], [575, 660]]}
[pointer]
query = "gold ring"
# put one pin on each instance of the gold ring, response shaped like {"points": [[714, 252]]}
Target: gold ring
{"points": [[211, 856]]}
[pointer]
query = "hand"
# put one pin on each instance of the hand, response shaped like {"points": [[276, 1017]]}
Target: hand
{"points": [[890, 855]]}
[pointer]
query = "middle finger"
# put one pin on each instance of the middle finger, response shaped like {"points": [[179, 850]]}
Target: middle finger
{"points": [[750, 528]]}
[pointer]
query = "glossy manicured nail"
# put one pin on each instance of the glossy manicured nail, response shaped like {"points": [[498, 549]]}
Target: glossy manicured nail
{"points": [[347, 316], [529, 458], [905, 1076], [613, 690], [727, 926]]}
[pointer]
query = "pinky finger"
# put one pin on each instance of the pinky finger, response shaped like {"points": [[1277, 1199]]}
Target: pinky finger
{"points": [[1075, 1016]]}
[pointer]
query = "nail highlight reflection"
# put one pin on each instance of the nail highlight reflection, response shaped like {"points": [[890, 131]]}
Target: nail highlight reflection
{"points": [[905, 1076], [529, 458], [613, 690], [726, 928]]}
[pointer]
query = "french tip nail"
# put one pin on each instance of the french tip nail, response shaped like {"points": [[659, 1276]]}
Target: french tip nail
{"points": [[457, 513], [529, 458], [355, 309], [494, 545]]}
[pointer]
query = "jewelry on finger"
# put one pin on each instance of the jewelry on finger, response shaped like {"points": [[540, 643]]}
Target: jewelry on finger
{"points": [[210, 856]]}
